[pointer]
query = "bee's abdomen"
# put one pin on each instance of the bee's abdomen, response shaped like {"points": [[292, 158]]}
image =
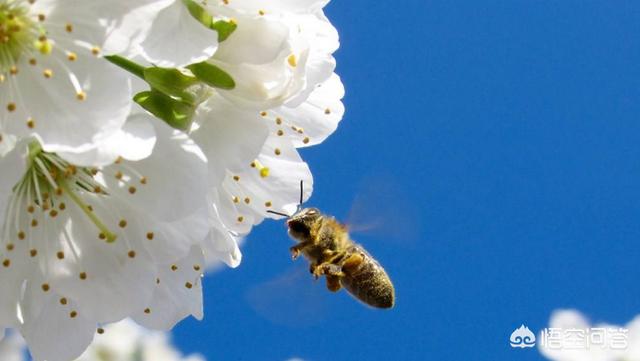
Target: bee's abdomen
{"points": [[369, 282]]}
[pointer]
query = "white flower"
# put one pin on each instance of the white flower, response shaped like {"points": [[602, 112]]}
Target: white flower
{"points": [[54, 83], [279, 52], [76, 242], [164, 33], [574, 320], [126, 341]]}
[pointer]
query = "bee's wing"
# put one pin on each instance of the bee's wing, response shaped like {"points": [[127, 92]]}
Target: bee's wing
{"points": [[382, 209], [292, 298]]}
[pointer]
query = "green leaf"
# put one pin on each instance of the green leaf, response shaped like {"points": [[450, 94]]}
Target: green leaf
{"points": [[199, 13], [176, 113], [170, 81], [212, 75], [224, 29]]}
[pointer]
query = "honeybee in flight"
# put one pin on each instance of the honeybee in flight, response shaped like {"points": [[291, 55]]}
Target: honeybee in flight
{"points": [[325, 242]]}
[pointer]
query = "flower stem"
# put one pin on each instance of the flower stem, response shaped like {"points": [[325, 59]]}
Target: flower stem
{"points": [[128, 65], [109, 236]]}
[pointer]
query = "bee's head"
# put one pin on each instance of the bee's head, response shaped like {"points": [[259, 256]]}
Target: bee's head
{"points": [[301, 223]]}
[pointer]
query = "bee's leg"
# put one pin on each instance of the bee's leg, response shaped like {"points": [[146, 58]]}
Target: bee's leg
{"points": [[352, 261], [295, 250], [328, 269], [333, 283]]}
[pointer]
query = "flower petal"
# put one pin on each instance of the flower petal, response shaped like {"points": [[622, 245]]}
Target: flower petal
{"points": [[178, 293], [177, 39], [135, 141]]}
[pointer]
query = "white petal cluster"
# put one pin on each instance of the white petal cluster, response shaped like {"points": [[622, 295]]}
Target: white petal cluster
{"points": [[121, 341], [574, 320], [109, 213]]}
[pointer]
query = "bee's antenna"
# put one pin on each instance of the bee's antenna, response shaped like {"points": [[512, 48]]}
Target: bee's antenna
{"points": [[279, 213], [301, 193]]}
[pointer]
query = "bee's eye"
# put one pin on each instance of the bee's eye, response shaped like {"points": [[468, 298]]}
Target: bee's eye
{"points": [[297, 227]]}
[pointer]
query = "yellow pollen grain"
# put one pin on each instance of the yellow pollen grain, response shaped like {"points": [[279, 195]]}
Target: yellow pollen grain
{"points": [[53, 213], [100, 331], [236, 178], [306, 140], [264, 172], [240, 219], [327, 111], [278, 121], [73, 314], [81, 96], [174, 267], [292, 60], [11, 107], [280, 132], [21, 235], [150, 235], [10, 247], [33, 252], [119, 175], [277, 151], [119, 160], [68, 28], [253, 164], [261, 12], [34, 223], [102, 236], [132, 254], [132, 189], [226, 2], [188, 285], [58, 190], [147, 311], [247, 200], [83, 275], [62, 206], [236, 200], [122, 223], [71, 56], [45, 287], [6, 263], [60, 255], [264, 114], [268, 204], [143, 180], [13, 70], [196, 267], [33, 61], [48, 73], [42, 17], [95, 51], [63, 301]]}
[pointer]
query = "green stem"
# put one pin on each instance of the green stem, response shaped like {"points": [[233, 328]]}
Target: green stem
{"points": [[128, 65]]}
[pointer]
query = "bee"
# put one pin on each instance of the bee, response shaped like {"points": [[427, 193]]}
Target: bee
{"points": [[326, 244]]}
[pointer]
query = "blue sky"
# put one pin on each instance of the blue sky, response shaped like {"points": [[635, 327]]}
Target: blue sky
{"points": [[513, 129]]}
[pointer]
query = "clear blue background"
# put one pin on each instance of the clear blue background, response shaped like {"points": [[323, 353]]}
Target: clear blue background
{"points": [[514, 129]]}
